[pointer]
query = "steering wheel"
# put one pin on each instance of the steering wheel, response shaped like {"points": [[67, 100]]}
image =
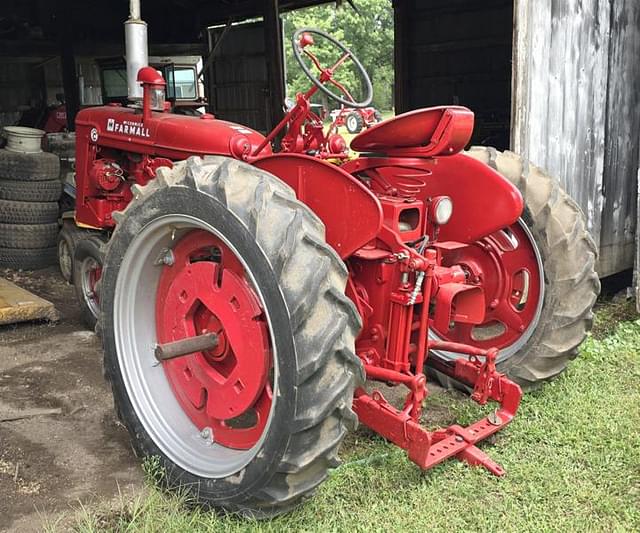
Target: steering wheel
{"points": [[303, 38]]}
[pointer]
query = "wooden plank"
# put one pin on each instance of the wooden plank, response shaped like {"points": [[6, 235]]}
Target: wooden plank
{"points": [[400, 56], [19, 305], [274, 50], [68, 62], [560, 94], [617, 233], [636, 271]]}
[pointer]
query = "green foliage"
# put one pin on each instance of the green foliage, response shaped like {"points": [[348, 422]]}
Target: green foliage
{"points": [[368, 34]]}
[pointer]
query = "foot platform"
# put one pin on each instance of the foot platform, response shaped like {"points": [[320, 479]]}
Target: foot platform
{"points": [[428, 448]]}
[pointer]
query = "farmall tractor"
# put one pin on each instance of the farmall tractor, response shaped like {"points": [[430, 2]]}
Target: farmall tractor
{"points": [[354, 119], [249, 301]]}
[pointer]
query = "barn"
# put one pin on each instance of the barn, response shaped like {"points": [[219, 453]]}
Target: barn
{"points": [[555, 81]]}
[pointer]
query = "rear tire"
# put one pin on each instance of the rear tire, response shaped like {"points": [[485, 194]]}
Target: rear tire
{"points": [[354, 122], [312, 326], [568, 255]]}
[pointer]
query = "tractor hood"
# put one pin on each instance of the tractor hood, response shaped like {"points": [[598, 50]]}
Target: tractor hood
{"points": [[165, 134]]}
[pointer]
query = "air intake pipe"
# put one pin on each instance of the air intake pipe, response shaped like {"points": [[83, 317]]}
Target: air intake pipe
{"points": [[135, 37]]}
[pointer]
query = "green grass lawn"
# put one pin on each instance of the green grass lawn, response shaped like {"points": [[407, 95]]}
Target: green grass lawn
{"points": [[572, 457]]}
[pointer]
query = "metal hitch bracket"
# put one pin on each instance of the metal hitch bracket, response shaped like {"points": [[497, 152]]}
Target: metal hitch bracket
{"points": [[428, 448]]}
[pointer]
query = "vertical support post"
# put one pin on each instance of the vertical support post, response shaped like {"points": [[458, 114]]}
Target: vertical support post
{"points": [[400, 56], [275, 62], [636, 269], [68, 61]]}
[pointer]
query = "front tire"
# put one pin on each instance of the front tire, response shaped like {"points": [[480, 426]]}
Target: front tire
{"points": [[259, 232], [88, 261]]}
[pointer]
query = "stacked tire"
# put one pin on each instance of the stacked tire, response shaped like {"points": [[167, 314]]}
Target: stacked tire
{"points": [[29, 191]]}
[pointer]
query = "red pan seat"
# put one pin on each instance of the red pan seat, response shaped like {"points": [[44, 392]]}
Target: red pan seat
{"points": [[428, 132]]}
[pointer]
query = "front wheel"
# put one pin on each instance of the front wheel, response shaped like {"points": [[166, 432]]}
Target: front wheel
{"points": [[217, 246], [88, 260], [538, 276]]}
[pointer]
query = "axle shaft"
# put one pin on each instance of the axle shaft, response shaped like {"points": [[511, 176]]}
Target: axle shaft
{"points": [[171, 350]]}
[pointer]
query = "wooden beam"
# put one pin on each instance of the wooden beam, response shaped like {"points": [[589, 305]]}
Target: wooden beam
{"points": [[275, 62], [216, 13], [400, 56], [68, 61], [20, 50], [636, 269]]}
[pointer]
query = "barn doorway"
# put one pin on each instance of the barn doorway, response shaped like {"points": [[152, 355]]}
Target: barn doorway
{"points": [[457, 52]]}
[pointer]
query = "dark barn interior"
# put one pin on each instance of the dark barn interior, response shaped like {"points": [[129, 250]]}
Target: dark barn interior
{"points": [[457, 52]]}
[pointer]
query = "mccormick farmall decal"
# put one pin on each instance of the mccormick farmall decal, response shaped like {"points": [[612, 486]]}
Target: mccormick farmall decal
{"points": [[127, 127]]}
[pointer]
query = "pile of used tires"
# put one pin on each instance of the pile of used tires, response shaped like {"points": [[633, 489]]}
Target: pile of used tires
{"points": [[29, 191]]}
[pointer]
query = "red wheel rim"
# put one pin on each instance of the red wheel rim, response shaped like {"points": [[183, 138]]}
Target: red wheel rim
{"points": [[90, 275], [507, 265], [228, 390]]}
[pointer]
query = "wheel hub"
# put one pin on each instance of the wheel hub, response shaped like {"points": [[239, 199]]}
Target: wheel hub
{"points": [[508, 266], [226, 389], [91, 274]]}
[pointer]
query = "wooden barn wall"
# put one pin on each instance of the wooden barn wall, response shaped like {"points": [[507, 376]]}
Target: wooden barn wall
{"points": [[619, 217], [576, 85], [19, 81], [237, 84]]}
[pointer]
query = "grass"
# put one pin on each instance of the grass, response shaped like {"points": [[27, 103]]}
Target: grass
{"points": [[572, 457]]}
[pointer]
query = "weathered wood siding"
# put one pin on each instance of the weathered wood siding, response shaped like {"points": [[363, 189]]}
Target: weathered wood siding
{"points": [[619, 217], [576, 109]]}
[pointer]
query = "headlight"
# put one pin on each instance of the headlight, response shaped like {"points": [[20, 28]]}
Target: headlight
{"points": [[441, 209]]}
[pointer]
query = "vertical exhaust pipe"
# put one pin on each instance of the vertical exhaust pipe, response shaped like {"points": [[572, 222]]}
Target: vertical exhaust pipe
{"points": [[135, 38]]}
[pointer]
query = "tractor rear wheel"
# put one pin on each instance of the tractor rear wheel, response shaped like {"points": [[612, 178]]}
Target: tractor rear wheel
{"points": [[541, 310], [254, 424]]}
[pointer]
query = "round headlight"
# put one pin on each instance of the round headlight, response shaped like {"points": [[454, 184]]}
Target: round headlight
{"points": [[442, 210]]}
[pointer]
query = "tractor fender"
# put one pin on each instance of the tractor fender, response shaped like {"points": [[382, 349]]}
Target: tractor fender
{"points": [[483, 200], [352, 215]]}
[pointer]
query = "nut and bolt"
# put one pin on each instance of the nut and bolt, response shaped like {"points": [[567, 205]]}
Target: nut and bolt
{"points": [[165, 257], [207, 434]]}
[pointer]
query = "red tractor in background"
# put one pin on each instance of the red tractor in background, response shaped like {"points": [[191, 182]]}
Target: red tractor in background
{"points": [[247, 300], [355, 119]]}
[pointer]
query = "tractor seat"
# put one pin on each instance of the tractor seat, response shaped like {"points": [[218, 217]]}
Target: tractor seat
{"points": [[428, 132]]}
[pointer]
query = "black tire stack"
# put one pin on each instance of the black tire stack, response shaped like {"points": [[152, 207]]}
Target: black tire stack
{"points": [[29, 191]]}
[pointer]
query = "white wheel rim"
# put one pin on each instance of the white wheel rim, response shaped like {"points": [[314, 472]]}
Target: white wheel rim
{"points": [[135, 337]]}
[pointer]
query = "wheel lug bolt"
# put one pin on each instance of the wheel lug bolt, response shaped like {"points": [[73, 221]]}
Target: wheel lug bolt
{"points": [[207, 434]]}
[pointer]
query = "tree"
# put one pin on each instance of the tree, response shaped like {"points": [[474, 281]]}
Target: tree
{"points": [[367, 33]]}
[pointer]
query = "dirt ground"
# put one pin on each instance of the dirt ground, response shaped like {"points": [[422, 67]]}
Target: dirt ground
{"points": [[68, 449]]}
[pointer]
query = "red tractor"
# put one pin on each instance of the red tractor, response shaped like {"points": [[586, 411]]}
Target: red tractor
{"points": [[355, 119], [248, 300]]}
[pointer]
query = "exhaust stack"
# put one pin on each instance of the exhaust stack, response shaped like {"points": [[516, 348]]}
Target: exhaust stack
{"points": [[135, 37]]}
